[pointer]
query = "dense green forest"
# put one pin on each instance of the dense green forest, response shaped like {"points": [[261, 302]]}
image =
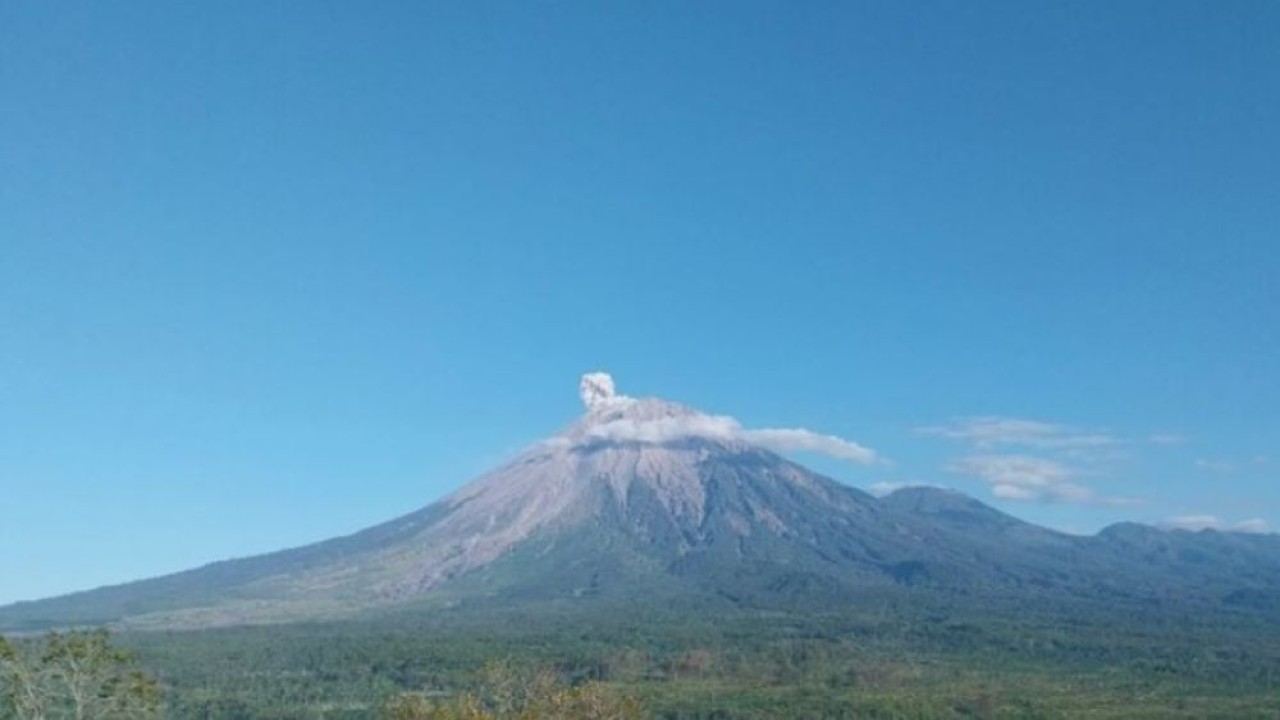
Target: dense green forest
{"points": [[878, 662]]}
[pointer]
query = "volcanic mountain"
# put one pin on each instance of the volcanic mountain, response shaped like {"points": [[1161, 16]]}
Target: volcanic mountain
{"points": [[649, 498]]}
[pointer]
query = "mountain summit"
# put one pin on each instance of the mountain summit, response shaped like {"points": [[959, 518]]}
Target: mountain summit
{"points": [[642, 496]]}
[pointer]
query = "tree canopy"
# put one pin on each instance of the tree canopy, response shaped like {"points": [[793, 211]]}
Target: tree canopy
{"points": [[507, 693], [75, 675]]}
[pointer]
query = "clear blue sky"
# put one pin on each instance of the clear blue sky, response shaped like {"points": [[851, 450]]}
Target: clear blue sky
{"points": [[271, 272]]}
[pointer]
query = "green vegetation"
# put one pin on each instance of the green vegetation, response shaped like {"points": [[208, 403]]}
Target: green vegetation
{"points": [[507, 692], [76, 675], [879, 662]]}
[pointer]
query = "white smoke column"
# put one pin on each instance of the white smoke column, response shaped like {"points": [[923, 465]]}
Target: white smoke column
{"points": [[596, 389]]}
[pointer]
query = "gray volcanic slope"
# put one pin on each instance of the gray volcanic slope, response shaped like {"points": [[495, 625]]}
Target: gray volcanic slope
{"points": [[646, 498]]}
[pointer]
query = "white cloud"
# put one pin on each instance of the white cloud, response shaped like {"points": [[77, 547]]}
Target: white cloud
{"points": [[1029, 478], [1167, 439], [887, 487], [725, 428], [1253, 525], [1217, 466], [1031, 460], [1196, 523], [598, 393], [1222, 465], [990, 432], [801, 440], [666, 429], [1192, 522]]}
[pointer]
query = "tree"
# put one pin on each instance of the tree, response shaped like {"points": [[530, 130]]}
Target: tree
{"points": [[507, 693], [73, 676], [20, 695], [417, 706], [592, 701]]}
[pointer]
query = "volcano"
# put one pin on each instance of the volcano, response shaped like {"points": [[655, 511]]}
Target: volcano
{"points": [[645, 498]]}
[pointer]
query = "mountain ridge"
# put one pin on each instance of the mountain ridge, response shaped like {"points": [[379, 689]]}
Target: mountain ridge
{"points": [[647, 495]]}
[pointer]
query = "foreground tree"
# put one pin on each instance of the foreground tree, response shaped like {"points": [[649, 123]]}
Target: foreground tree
{"points": [[73, 676], [509, 694]]}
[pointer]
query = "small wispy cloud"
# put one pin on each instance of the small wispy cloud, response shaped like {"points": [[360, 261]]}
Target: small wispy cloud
{"points": [[1032, 479], [1032, 460], [881, 489], [888, 487], [802, 440], [1167, 439], [1255, 525], [1216, 466], [1196, 523], [990, 431], [1224, 465]]}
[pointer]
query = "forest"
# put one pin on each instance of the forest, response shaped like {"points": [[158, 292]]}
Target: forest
{"points": [[675, 664]]}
